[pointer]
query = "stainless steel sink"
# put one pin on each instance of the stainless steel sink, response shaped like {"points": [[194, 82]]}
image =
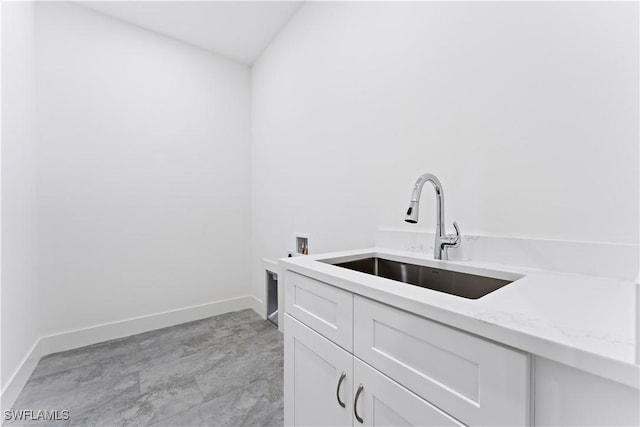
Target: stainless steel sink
{"points": [[451, 282]]}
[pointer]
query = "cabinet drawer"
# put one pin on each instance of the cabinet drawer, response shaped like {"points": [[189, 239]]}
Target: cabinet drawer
{"points": [[481, 382], [324, 308]]}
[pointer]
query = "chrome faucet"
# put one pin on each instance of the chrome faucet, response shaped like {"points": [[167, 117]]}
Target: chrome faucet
{"points": [[443, 240]]}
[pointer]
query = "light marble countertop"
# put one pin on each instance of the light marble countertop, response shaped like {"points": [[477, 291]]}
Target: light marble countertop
{"points": [[582, 321]]}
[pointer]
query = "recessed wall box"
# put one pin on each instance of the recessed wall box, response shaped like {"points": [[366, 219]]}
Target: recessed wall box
{"points": [[302, 244]]}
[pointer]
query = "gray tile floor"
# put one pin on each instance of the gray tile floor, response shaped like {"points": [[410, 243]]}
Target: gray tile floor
{"points": [[226, 370]]}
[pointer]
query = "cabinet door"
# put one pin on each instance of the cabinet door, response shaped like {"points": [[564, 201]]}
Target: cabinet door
{"points": [[313, 367], [383, 402]]}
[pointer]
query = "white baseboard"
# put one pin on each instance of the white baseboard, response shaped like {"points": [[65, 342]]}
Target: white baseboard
{"points": [[124, 328], [258, 306], [20, 376], [109, 331]]}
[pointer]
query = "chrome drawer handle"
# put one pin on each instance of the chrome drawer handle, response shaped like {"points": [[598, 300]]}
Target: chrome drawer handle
{"points": [[355, 404], [342, 377]]}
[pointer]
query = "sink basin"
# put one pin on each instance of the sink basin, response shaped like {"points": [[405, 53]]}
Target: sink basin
{"points": [[451, 282]]}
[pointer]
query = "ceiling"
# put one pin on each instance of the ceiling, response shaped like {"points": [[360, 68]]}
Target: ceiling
{"points": [[239, 30]]}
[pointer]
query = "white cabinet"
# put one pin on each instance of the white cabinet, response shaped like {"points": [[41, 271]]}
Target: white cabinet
{"points": [[314, 367], [481, 382], [322, 381], [413, 371], [565, 396]]}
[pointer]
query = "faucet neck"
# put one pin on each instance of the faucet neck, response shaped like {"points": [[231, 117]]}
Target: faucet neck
{"points": [[415, 197], [437, 186]]}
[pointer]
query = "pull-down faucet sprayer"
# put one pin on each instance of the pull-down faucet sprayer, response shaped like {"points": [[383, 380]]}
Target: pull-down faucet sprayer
{"points": [[443, 240]]}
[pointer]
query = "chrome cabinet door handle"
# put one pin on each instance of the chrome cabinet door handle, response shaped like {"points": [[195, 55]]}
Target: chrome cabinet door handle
{"points": [[355, 404], [342, 377]]}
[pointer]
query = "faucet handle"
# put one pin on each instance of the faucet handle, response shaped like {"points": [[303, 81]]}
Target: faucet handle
{"points": [[456, 242], [452, 240]]}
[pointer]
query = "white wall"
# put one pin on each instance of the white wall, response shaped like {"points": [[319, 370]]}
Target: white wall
{"points": [[19, 240], [143, 171], [527, 112]]}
